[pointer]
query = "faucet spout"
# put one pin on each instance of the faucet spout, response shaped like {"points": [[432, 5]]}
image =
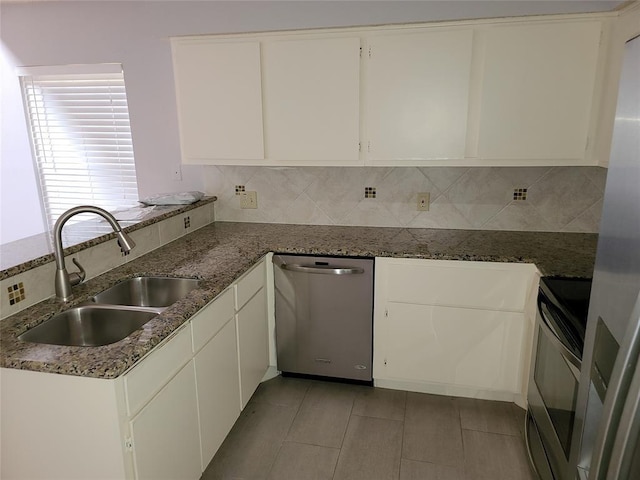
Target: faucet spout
{"points": [[64, 280]]}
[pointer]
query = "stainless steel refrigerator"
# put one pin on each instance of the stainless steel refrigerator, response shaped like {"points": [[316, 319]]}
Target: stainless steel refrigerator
{"points": [[608, 404]]}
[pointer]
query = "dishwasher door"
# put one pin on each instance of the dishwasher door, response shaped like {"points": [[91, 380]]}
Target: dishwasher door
{"points": [[324, 315]]}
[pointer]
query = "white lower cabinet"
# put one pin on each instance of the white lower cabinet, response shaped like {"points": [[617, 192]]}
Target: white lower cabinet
{"points": [[163, 419], [218, 386], [453, 327], [165, 434], [253, 345], [454, 346]]}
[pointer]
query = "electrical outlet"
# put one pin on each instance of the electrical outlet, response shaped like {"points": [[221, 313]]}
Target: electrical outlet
{"points": [[249, 200], [423, 202]]}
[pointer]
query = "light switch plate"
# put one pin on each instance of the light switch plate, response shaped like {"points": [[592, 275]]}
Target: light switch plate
{"points": [[423, 202], [249, 200]]}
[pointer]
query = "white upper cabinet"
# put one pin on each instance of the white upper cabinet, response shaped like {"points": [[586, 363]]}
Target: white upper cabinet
{"points": [[417, 95], [219, 97], [466, 93], [311, 100], [537, 91]]}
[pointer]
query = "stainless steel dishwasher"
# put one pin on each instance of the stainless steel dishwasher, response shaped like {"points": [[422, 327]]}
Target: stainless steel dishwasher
{"points": [[324, 316]]}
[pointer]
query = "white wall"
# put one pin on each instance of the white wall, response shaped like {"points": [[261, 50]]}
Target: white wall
{"points": [[136, 35]]}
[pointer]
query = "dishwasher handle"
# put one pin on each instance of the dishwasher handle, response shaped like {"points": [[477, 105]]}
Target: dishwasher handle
{"points": [[321, 269]]}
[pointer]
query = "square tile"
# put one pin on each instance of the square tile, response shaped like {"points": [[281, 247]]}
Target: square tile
{"points": [[380, 403], [487, 416], [285, 391], [371, 449], [323, 416], [432, 431], [413, 470], [494, 456], [304, 462], [520, 415], [251, 447]]}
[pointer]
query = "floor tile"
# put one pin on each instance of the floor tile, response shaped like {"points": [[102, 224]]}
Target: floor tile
{"points": [[414, 470], [304, 462], [323, 416], [380, 403], [371, 450], [495, 457], [251, 447], [432, 430], [487, 416], [284, 391], [520, 415]]}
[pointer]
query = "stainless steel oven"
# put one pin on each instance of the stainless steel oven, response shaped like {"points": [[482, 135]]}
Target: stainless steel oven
{"points": [[555, 373]]}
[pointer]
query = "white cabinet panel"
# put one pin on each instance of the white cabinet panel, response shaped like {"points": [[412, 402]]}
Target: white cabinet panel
{"points": [[461, 284], [456, 346], [166, 441], [311, 99], [60, 427], [152, 373], [249, 284], [538, 90], [219, 95], [453, 327], [208, 321], [417, 91], [253, 344], [218, 389]]}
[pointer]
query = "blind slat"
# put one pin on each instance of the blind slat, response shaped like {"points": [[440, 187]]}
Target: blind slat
{"points": [[81, 137]]}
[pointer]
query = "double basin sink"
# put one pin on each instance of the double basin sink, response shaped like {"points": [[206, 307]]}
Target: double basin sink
{"points": [[113, 314]]}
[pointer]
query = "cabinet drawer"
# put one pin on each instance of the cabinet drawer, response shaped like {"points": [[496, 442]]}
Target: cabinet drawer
{"points": [[208, 321], [481, 285], [249, 284], [156, 369]]}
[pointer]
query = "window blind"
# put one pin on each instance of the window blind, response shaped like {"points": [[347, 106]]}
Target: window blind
{"points": [[81, 139]]}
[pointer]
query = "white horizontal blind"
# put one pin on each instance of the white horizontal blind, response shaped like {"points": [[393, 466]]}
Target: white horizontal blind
{"points": [[79, 126]]}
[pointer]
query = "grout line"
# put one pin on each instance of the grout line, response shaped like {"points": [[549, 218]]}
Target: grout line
{"points": [[464, 453], [297, 411], [404, 421]]}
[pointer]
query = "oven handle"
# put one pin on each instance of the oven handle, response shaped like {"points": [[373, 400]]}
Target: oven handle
{"points": [[554, 338]]}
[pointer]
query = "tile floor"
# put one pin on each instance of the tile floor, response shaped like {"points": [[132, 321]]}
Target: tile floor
{"points": [[297, 429]]}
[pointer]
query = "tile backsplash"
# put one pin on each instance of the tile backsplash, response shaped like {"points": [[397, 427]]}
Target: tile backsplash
{"points": [[552, 199]]}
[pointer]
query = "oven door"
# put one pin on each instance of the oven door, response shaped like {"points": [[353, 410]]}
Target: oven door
{"points": [[553, 390]]}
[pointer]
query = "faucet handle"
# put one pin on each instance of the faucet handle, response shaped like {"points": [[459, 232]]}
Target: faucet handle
{"points": [[76, 278]]}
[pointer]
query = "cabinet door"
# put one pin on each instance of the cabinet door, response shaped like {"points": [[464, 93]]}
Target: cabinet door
{"points": [[218, 389], [166, 442], [219, 97], [253, 344], [417, 96], [537, 92], [453, 346], [311, 100]]}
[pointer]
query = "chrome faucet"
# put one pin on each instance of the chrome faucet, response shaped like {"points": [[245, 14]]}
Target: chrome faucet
{"points": [[64, 280]]}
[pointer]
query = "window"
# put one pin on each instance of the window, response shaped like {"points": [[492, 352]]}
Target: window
{"points": [[78, 120]]}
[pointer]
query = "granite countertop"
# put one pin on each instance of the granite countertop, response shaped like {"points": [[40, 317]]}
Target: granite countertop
{"points": [[220, 252], [27, 253]]}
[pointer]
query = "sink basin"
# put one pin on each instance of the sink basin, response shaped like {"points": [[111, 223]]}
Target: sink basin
{"points": [[88, 326], [147, 291]]}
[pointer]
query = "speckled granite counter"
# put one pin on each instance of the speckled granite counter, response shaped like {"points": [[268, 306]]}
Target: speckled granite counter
{"points": [[27, 253], [221, 252]]}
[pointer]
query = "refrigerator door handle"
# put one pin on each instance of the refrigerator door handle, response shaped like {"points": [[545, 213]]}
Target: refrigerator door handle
{"points": [[612, 433]]}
